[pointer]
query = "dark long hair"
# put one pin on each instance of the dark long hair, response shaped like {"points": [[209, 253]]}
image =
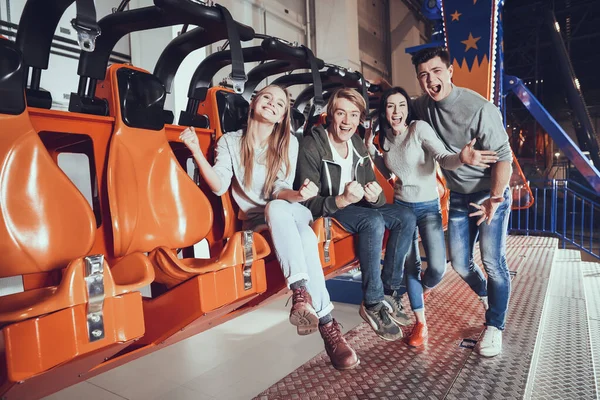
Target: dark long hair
{"points": [[383, 122]]}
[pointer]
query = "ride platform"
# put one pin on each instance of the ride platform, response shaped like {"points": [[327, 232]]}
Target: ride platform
{"points": [[551, 341]]}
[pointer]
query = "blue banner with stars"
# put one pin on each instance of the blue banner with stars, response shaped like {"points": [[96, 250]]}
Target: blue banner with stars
{"points": [[468, 35]]}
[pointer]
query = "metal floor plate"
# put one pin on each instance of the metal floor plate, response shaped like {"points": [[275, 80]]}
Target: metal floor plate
{"points": [[591, 280], [446, 367]]}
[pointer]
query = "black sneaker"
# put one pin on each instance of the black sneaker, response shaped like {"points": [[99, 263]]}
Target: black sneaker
{"points": [[397, 313], [379, 319]]}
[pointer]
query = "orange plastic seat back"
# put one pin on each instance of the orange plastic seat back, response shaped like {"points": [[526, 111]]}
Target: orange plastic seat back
{"points": [[153, 202], [45, 222]]}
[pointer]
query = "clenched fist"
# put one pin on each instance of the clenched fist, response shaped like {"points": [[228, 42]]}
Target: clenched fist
{"points": [[308, 190], [190, 139], [372, 192], [353, 192]]}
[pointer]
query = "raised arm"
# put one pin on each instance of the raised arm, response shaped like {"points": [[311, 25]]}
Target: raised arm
{"points": [[434, 145], [450, 160], [218, 177]]}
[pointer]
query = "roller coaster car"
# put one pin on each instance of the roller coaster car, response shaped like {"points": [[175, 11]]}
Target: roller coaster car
{"points": [[221, 106], [47, 227]]}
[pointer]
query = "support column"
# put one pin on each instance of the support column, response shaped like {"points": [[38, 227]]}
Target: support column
{"points": [[406, 31], [336, 23]]}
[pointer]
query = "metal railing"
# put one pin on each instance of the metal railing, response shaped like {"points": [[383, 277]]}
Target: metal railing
{"points": [[564, 209]]}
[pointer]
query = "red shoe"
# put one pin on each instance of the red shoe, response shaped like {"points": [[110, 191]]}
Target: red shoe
{"points": [[340, 353], [302, 314], [426, 295], [418, 335]]}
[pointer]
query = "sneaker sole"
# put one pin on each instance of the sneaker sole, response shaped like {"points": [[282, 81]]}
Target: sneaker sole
{"points": [[368, 321], [346, 368], [416, 347], [488, 355], [305, 320]]}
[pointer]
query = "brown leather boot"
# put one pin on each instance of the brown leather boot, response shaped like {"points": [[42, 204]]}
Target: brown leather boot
{"points": [[302, 315], [339, 351]]}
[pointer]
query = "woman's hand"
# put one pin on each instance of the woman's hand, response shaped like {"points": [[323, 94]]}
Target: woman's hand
{"points": [[477, 158], [190, 139]]}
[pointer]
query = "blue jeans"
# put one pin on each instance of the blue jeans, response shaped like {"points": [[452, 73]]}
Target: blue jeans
{"points": [[370, 225], [425, 216], [463, 233]]}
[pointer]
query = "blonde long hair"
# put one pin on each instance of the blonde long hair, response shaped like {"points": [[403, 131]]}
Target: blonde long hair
{"points": [[277, 145]]}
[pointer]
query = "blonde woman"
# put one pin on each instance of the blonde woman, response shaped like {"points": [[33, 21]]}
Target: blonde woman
{"points": [[259, 164]]}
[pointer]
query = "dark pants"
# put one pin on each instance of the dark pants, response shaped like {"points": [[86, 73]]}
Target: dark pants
{"points": [[370, 224]]}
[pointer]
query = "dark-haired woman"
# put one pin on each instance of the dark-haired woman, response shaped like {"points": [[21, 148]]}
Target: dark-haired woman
{"points": [[410, 151]]}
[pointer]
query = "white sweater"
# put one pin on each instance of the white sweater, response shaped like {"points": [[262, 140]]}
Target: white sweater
{"points": [[228, 165], [411, 158]]}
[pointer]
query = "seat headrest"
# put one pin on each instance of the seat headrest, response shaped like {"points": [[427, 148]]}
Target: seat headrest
{"points": [[12, 83], [142, 99], [233, 110]]}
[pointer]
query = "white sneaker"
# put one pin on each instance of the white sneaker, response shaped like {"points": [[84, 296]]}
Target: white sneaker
{"points": [[484, 302], [490, 344]]}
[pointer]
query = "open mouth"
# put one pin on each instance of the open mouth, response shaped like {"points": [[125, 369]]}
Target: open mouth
{"points": [[397, 120], [436, 88], [345, 129]]}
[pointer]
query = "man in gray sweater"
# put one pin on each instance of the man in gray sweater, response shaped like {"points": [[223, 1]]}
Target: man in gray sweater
{"points": [[480, 200]]}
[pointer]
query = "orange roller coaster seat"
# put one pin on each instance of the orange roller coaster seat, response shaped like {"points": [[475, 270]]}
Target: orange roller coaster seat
{"points": [[155, 205], [45, 222], [47, 225]]}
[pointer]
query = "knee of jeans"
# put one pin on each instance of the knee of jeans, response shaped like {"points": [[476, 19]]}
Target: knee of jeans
{"points": [[374, 225], [436, 272], [496, 269], [462, 268], [275, 208]]}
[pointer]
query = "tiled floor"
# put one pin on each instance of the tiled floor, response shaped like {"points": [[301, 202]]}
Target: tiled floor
{"points": [[236, 360]]}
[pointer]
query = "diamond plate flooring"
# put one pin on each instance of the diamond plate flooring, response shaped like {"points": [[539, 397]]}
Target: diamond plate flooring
{"points": [[591, 281], [563, 365], [446, 367]]}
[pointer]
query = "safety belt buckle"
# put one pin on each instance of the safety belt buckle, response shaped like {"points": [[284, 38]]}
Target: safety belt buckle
{"points": [[238, 83], [86, 35]]}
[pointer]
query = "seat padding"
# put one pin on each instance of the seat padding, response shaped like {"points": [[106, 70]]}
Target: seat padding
{"points": [[153, 201], [142, 99], [45, 222], [233, 109]]}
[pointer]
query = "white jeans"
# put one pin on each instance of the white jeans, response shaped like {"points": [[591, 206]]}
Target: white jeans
{"points": [[297, 250]]}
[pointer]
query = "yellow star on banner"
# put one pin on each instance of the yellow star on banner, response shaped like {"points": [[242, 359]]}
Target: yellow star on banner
{"points": [[455, 16], [471, 42]]}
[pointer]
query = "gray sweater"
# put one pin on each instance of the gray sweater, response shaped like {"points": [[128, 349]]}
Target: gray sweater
{"points": [[459, 118], [411, 158], [228, 165]]}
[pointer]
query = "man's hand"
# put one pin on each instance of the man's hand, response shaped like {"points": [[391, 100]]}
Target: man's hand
{"points": [[487, 209], [353, 193], [477, 158], [308, 190], [372, 192], [190, 139]]}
